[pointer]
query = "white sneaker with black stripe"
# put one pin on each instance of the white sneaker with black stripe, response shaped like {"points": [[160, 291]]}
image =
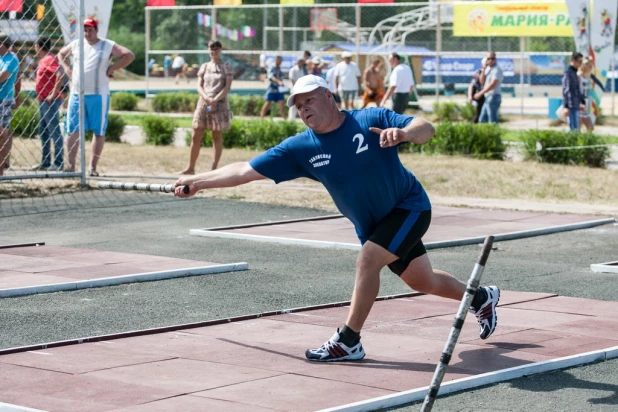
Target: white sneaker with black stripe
{"points": [[486, 315], [335, 351]]}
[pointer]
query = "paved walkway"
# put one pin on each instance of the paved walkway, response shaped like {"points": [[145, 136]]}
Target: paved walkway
{"points": [[259, 364], [24, 267]]}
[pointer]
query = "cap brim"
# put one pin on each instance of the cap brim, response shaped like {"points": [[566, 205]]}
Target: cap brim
{"points": [[305, 90]]}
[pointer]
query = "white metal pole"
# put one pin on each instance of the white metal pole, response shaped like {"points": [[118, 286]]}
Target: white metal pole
{"points": [[358, 34], [147, 17], [613, 83], [264, 25], [213, 32], [522, 48], [438, 51], [280, 28], [82, 122]]}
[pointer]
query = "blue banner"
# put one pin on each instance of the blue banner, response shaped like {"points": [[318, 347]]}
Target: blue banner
{"points": [[464, 66]]}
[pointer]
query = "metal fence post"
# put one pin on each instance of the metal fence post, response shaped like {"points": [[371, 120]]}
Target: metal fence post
{"points": [[264, 25], [358, 34], [613, 70], [522, 49], [213, 32], [438, 51], [280, 28], [147, 11], [82, 92]]}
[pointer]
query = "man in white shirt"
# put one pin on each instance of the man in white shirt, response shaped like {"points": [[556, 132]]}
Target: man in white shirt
{"points": [[330, 80], [347, 80], [97, 72], [400, 84], [178, 68], [296, 72]]}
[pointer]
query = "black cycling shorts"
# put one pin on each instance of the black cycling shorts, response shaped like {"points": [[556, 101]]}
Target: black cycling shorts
{"points": [[400, 233]]}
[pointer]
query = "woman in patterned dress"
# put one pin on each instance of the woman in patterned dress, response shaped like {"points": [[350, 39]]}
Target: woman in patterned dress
{"points": [[213, 109]]}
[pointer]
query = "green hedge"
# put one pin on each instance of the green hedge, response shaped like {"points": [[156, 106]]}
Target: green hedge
{"points": [[115, 129], [159, 130], [186, 102], [175, 102], [25, 121], [537, 143], [482, 141], [254, 134], [124, 101]]}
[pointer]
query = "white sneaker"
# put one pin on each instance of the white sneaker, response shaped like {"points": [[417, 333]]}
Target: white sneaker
{"points": [[486, 315], [54, 168], [335, 351]]}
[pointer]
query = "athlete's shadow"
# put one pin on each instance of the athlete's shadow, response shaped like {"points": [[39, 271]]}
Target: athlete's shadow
{"points": [[559, 379]]}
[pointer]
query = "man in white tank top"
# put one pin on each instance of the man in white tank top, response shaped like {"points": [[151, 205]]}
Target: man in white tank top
{"points": [[97, 72]]}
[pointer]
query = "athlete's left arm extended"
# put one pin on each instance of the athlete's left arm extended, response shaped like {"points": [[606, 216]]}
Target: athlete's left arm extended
{"points": [[419, 131]]}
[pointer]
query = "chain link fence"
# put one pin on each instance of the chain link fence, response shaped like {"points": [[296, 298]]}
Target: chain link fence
{"points": [[423, 32]]}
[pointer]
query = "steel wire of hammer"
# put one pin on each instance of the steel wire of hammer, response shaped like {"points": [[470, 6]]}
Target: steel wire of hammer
{"points": [[445, 358]]}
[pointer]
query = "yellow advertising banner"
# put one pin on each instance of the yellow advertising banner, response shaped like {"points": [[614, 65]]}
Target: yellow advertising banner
{"points": [[512, 19], [227, 2], [297, 1]]}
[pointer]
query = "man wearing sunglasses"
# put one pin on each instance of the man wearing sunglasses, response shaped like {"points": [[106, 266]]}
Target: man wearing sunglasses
{"points": [[491, 79]]}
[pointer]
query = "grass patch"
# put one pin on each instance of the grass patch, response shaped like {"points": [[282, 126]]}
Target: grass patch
{"points": [[447, 176]]}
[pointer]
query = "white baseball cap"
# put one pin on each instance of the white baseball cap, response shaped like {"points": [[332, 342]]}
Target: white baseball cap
{"points": [[346, 54], [306, 84]]}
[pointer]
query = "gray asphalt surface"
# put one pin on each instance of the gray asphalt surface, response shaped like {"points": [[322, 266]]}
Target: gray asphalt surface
{"points": [[283, 277]]}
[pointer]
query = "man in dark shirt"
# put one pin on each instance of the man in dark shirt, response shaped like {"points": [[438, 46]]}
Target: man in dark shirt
{"points": [[572, 98]]}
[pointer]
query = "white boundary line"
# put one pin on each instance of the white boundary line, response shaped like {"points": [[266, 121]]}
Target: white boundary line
{"points": [[119, 280], [607, 267], [428, 246], [472, 382], [7, 407]]}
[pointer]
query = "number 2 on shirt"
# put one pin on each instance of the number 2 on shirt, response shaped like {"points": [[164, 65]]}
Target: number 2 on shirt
{"points": [[361, 140]]}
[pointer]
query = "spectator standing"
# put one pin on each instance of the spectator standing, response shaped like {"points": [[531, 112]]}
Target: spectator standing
{"points": [[491, 79], [475, 87], [400, 84], [167, 65], [178, 68], [317, 67], [374, 84], [10, 85], [295, 73], [97, 72], [572, 98], [307, 57], [347, 80], [214, 81], [273, 94], [330, 81], [48, 85]]}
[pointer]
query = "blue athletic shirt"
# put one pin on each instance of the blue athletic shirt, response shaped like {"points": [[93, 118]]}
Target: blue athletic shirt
{"points": [[365, 181]]}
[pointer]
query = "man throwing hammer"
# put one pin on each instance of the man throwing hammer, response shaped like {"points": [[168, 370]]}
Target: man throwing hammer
{"points": [[354, 155]]}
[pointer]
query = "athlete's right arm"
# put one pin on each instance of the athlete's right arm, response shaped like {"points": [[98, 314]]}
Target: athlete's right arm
{"points": [[234, 174]]}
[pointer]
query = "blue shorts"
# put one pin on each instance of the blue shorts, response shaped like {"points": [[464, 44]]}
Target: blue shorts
{"points": [[274, 97], [95, 118]]}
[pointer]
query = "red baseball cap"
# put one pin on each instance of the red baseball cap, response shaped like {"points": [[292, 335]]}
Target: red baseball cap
{"points": [[90, 22]]}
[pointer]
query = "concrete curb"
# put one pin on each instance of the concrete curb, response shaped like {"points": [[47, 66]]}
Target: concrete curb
{"points": [[119, 280], [457, 385], [431, 245]]}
